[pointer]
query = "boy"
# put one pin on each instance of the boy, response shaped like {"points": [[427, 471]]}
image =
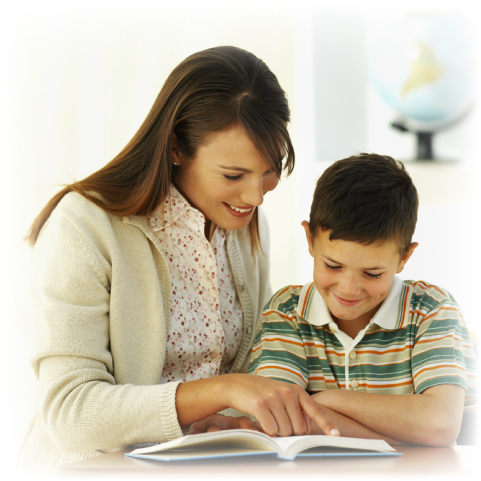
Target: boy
{"points": [[358, 336]]}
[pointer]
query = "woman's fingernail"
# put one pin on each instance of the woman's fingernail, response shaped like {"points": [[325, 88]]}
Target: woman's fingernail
{"points": [[335, 432]]}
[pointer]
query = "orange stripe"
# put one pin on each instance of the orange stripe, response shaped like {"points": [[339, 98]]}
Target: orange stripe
{"points": [[438, 339], [287, 341], [278, 313], [417, 312], [286, 289], [322, 378], [435, 313], [430, 286], [281, 368], [404, 308], [303, 310], [386, 386], [448, 366], [370, 386], [379, 353]]}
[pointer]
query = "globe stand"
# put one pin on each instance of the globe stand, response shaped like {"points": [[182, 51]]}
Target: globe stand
{"points": [[424, 141]]}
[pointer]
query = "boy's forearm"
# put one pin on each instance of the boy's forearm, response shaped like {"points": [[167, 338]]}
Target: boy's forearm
{"points": [[432, 418], [350, 428]]}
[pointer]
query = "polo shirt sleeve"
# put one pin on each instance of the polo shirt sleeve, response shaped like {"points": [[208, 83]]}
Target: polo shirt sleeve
{"points": [[443, 352], [278, 350]]}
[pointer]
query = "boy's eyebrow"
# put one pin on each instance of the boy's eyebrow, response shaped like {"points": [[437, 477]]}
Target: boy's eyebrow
{"points": [[364, 268]]}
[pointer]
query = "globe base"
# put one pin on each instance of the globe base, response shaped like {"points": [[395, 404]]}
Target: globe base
{"points": [[424, 141], [424, 145]]}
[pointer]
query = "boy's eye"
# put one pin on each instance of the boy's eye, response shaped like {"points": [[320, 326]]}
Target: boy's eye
{"points": [[233, 178], [374, 276], [334, 268]]}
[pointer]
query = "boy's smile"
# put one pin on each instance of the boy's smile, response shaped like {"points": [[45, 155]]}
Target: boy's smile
{"points": [[353, 278]]}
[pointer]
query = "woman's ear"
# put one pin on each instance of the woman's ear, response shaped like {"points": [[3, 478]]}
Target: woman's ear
{"points": [[307, 229], [175, 150], [406, 257]]}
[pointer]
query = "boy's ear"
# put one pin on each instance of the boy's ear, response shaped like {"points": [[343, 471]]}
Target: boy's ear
{"points": [[305, 224], [406, 257]]}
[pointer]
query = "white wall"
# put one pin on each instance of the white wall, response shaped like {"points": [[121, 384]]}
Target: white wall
{"points": [[80, 77], [448, 227]]}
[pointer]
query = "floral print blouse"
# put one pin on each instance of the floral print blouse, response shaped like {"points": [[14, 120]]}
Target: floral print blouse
{"points": [[206, 324]]}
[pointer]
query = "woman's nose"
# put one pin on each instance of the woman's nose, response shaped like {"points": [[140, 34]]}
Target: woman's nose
{"points": [[253, 193]]}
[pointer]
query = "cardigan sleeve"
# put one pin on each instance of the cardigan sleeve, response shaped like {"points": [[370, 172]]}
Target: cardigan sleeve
{"points": [[83, 407]]}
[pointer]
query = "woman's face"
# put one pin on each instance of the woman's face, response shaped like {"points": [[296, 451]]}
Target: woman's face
{"points": [[226, 179]]}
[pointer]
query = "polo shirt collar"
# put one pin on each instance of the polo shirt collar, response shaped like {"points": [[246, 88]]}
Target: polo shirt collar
{"points": [[314, 310]]}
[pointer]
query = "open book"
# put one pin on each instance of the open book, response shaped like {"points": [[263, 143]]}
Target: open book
{"points": [[242, 442]]}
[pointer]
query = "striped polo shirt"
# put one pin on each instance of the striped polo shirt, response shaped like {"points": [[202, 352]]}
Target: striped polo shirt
{"points": [[417, 339]]}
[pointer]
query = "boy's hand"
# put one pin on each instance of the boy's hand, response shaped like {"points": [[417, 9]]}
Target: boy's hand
{"points": [[217, 422]]}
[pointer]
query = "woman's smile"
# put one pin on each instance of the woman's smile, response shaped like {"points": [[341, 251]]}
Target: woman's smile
{"points": [[239, 211]]}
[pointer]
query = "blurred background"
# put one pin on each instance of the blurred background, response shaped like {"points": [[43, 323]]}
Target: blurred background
{"points": [[79, 78]]}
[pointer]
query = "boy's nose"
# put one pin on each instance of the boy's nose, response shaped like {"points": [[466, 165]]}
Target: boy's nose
{"points": [[348, 286]]}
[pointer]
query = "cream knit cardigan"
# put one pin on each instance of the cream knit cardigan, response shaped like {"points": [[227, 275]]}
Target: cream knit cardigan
{"points": [[101, 314]]}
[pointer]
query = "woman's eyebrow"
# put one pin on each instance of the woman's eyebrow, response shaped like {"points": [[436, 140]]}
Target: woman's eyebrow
{"points": [[240, 169]]}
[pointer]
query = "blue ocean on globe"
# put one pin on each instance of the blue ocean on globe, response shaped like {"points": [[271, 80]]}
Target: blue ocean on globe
{"points": [[424, 67]]}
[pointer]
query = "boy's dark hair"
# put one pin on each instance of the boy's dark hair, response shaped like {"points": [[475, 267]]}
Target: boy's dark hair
{"points": [[366, 198]]}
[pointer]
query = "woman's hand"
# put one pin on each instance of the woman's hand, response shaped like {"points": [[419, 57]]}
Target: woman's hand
{"points": [[281, 408], [217, 422]]}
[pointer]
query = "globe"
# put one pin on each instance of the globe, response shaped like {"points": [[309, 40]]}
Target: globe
{"points": [[424, 68]]}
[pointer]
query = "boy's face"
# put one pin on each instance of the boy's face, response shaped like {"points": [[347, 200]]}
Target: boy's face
{"points": [[353, 278]]}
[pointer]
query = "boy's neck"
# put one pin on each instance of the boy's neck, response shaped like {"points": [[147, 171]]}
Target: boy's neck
{"points": [[353, 327]]}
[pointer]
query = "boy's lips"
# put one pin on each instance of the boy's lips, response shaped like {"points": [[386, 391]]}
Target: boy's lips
{"points": [[346, 302], [239, 211]]}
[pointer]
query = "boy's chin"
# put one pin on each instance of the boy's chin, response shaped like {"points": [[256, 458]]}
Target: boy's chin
{"points": [[345, 317], [354, 315]]}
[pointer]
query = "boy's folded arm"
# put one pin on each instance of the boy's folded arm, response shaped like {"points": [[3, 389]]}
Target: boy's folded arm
{"points": [[431, 418], [350, 428]]}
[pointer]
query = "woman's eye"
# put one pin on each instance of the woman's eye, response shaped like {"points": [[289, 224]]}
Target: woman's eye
{"points": [[334, 268], [233, 177], [374, 276]]}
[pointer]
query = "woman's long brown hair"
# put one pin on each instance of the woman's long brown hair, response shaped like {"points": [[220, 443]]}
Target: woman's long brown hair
{"points": [[210, 91]]}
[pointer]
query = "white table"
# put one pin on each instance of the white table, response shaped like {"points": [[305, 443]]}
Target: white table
{"points": [[458, 463]]}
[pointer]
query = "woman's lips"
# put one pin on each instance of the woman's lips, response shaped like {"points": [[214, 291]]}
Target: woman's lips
{"points": [[346, 302], [244, 212]]}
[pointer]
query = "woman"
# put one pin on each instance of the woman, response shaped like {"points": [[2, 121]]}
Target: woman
{"points": [[149, 276]]}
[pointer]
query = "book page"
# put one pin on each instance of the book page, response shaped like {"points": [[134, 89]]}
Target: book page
{"points": [[293, 445], [207, 450], [241, 439]]}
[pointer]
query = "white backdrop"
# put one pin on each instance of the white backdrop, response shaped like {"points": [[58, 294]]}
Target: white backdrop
{"points": [[79, 77]]}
